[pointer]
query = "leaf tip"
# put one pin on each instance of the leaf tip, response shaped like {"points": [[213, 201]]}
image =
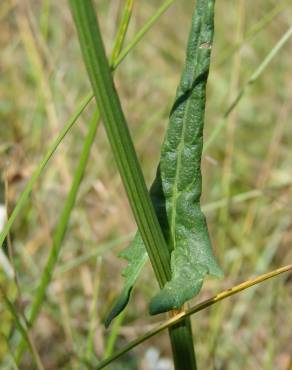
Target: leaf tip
{"points": [[118, 306]]}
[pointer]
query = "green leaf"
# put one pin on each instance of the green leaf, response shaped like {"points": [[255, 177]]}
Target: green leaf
{"points": [[177, 188], [192, 258]]}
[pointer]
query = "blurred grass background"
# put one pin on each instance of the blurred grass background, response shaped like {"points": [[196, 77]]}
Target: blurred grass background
{"points": [[246, 185]]}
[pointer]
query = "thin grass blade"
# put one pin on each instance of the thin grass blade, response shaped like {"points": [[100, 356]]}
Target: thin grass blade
{"points": [[198, 307]]}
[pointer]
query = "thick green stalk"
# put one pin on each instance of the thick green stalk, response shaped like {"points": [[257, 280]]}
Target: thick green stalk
{"points": [[119, 136], [128, 165], [182, 345]]}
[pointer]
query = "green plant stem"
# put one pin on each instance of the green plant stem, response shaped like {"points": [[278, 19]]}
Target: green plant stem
{"points": [[119, 136], [198, 307], [119, 40], [127, 162], [182, 345]]}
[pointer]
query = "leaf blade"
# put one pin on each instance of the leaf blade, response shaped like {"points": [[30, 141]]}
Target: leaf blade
{"points": [[192, 258], [176, 190]]}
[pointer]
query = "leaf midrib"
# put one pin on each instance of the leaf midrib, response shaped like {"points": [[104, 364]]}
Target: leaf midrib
{"points": [[175, 193]]}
